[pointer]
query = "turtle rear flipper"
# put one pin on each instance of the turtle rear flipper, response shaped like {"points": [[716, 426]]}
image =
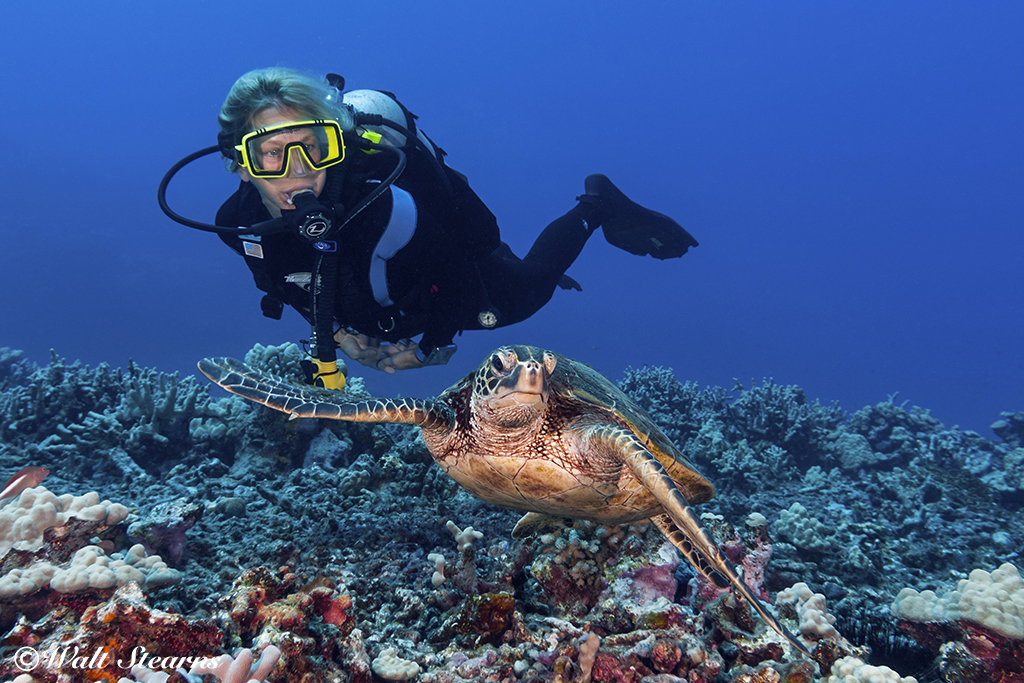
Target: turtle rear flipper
{"points": [[536, 523]]}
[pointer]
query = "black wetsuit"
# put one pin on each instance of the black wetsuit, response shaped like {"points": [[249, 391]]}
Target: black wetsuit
{"points": [[420, 259]]}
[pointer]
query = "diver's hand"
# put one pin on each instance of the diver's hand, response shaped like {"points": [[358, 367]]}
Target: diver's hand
{"points": [[398, 356], [370, 352], [359, 347]]}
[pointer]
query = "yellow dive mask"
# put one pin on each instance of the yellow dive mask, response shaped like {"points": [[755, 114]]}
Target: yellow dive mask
{"points": [[274, 151]]}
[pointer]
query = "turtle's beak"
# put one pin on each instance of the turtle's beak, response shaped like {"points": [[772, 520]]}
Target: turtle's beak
{"points": [[526, 386], [519, 398]]}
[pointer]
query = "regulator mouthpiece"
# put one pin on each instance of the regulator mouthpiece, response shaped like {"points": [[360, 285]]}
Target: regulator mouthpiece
{"points": [[291, 197], [313, 221]]}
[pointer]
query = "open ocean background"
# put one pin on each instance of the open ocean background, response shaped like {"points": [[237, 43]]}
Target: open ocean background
{"points": [[854, 173]]}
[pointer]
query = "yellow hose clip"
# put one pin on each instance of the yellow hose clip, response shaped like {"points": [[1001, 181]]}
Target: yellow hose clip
{"points": [[327, 375], [373, 137]]}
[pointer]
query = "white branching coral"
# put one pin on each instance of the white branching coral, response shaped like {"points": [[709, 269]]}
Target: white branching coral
{"points": [[437, 578], [464, 577], [464, 537], [227, 669]]}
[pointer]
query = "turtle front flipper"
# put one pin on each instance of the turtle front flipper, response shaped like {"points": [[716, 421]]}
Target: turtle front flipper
{"points": [[299, 400], [682, 542], [680, 524]]}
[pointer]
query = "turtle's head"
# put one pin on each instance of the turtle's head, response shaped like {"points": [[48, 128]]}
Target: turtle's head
{"points": [[513, 385]]}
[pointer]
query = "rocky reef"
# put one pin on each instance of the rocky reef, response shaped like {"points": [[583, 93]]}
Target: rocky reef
{"points": [[208, 531]]}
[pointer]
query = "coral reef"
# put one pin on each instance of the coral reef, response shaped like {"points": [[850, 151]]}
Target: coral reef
{"points": [[346, 549], [62, 415], [1010, 428]]}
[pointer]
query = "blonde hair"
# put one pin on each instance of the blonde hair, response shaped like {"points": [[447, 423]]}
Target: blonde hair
{"points": [[274, 87]]}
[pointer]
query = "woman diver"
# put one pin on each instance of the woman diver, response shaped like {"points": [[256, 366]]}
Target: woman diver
{"points": [[347, 212]]}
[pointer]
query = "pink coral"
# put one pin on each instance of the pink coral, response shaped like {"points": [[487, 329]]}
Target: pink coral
{"points": [[754, 562]]}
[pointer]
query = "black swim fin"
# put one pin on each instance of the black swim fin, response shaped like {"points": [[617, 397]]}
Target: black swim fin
{"points": [[631, 227]]}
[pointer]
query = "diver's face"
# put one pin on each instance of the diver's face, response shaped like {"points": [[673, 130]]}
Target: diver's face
{"points": [[277, 192]]}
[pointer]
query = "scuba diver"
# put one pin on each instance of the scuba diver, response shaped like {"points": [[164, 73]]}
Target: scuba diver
{"points": [[348, 213]]}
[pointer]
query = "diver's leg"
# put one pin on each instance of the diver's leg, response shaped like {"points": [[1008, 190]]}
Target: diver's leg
{"points": [[517, 288], [561, 242]]}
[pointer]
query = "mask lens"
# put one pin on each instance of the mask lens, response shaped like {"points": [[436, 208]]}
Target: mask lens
{"points": [[274, 152]]}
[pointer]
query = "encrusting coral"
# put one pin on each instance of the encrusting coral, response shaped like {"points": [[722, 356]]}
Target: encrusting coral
{"points": [[389, 666], [24, 521], [803, 530], [855, 670], [977, 629], [993, 600], [31, 560]]}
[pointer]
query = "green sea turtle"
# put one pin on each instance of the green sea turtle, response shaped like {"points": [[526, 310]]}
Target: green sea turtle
{"points": [[532, 430]]}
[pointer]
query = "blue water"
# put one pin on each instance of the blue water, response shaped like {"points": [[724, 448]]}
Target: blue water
{"points": [[854, 173]]}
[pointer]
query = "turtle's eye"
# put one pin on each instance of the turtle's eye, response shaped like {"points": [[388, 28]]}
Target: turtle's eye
{"points": [[497, 363], [503, 361]]}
